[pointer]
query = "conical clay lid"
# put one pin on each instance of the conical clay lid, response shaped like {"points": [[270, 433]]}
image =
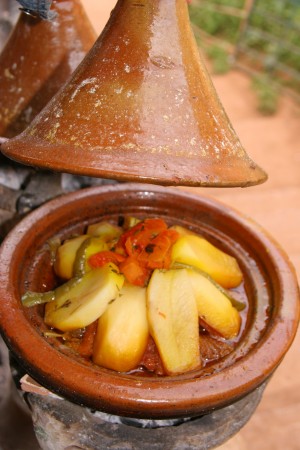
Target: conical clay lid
{"points": [[38, 58], [141, 106]]}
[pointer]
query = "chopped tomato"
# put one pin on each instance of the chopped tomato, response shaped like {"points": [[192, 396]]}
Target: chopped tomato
{"points": [[157, 254], [131, 232], [134, 272], [137, 238], [141, 249], [101, 258]]}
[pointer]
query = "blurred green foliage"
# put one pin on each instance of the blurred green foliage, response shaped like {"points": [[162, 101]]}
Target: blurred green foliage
{"points": [[267, 94], [274, 28], [270, 41], [215, 23], [219, 58]]}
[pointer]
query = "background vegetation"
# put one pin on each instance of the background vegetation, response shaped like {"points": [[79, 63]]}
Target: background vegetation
{"points": [[261, 35]]}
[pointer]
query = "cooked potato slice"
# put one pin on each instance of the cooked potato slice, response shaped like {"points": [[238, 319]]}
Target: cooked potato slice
{"points": [[122, 333], [104, 229], [173, 320], [182, 231], [65, 256], [198, 252], [85, 300], [214, 307]]}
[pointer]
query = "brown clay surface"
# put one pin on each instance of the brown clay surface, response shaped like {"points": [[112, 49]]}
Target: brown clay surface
{"points": [[273, 143], [139, 85]]}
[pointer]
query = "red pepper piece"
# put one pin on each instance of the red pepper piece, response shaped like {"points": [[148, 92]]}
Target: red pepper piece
{"points": [[157, 254], [138, 237], [101, 258], [134, 272]]}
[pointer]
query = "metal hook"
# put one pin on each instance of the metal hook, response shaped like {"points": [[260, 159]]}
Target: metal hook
{"points": [[29, 12]]}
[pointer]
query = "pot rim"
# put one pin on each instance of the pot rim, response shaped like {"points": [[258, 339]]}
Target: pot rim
{"points": [[128, 395]]}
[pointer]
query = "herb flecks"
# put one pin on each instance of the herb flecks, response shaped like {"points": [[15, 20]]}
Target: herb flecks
{"points": [[150, 248]]}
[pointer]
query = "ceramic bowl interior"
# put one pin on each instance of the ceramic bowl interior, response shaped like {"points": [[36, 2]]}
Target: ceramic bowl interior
{"points": [[268, 327]]}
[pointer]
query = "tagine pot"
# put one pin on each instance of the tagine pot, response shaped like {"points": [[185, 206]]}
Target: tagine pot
{"points": [[37, 60], [140, 106], [268, 331]]}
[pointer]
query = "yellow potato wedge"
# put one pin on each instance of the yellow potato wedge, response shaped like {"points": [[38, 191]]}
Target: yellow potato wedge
{"points": [[123, 331], [173, 320], [104, 229], [65, 256], [214, 307], [83, 301], [182, 231], [198, 252]]}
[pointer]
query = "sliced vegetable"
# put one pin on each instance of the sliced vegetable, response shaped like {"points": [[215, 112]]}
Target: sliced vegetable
{"points": [[174, 280], [157, 253], [86, 301], [134, 272], [214, 308], [182, 231], [105, 230], [237, 304], [138, 237], [198, 252], [65, 256], [88, 248], [147, 246], [173, 320], [36, 298], [123, 331], [101, 258]]}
